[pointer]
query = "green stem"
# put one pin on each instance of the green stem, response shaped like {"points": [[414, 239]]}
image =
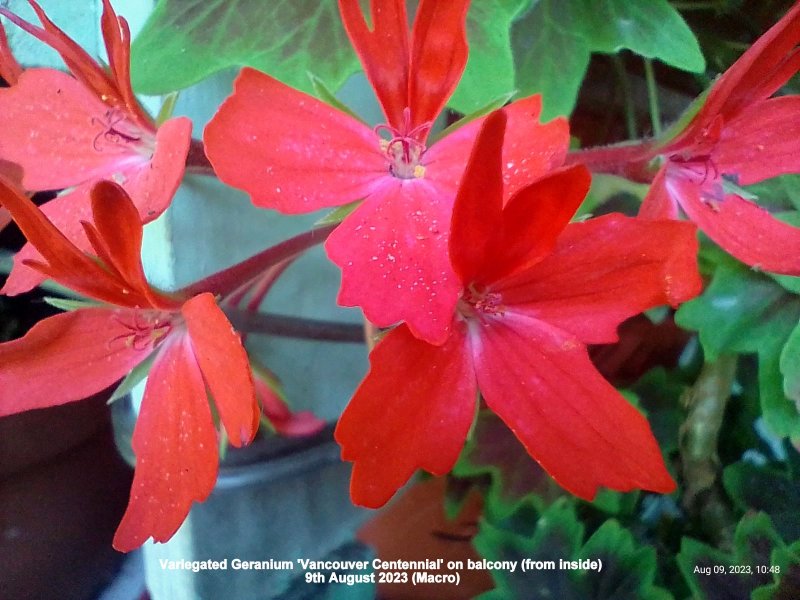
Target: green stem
{"points": [[652, 97], [628, 159], [627, 96], [698, 442]]}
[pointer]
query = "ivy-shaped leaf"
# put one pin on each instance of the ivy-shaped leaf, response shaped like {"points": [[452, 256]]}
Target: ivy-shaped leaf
{"points": [[185, 41], [490, 67], [550, 57], [553, 42], [651, 28], [743, 311]]}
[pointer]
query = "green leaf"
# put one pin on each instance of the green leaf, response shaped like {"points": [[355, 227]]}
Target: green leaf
{"points": [[743, 311], [553, 42], [185, 41], [132, 379], [622, 567], [550, 57], [68, 304], [739, 311], [493, 104], [490, 67], [790, 367], [650, 28], [770, 489], [338, 214], [627, 571], [557, 534], [785, 566], [708, 571]]}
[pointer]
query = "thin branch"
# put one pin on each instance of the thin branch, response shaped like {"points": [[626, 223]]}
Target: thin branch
{"points": [[295, 327], [627, 96], [699, 435], [652, 97]]}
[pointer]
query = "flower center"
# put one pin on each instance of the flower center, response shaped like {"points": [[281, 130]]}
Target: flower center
{"points": [[145, 329], [476, 303], [404, 149], [116, 133]]}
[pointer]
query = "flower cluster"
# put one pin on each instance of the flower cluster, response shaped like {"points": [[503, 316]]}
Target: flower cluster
{"points": [[462, 246]]}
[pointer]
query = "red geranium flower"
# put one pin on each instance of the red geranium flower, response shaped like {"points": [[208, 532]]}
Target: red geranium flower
{"points": [[68, 132], [743, 136], [293, 153], [534, 291], [76, 354]]}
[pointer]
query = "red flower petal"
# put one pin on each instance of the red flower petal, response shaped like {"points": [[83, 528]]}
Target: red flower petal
{"points": [[533, 220], [290, 151], [741, 228], [225, 367], [763, 142], [83, 66], [759, 72], [151, 185], [176, 449], [50, 124], [478, 209], [658, 203], [540, 381], [65, 262], [530, 149], [117, 37], [603, 271], [412, 411], [489, 241], [383, 51], [438, 57], [393, 254], [65, 358]]}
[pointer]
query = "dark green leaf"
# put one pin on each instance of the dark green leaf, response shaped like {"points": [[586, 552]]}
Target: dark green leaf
{"points": [[490, 68], [768, 489], [552, 43], [739, 311], [557, 535], [185, 41], [550, 57], [627, 571], [743, 311], [651, 28]]}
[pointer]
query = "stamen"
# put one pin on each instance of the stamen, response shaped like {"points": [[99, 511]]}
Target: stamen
{"points": [[145, 331], [117, 131], [404, 149], [476, 303]]}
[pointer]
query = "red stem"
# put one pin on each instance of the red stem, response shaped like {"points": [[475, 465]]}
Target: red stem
{"points": [[196, 161], [229, 280], [629, 159]]}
